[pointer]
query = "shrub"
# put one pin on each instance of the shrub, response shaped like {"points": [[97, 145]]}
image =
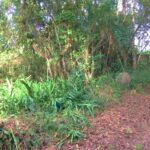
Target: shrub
{"points": [[54, 101]]}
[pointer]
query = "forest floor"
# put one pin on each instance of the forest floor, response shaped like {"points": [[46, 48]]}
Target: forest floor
{"points": [[125, 126], [122, 126]]}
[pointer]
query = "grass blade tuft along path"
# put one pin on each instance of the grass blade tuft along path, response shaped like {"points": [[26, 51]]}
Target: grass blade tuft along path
{"points": [[125, 126]]}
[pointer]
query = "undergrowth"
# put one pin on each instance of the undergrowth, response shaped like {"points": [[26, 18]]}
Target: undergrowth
{"points": [[56, 105], [140, 78], [60, 107]]}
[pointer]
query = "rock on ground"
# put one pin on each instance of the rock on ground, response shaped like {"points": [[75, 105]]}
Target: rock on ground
{"points": [[123, 78]]}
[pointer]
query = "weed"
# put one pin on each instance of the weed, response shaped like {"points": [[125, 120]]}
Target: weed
{"points": [[138, 147], [52, 102], [60, 106], [140, 78]]}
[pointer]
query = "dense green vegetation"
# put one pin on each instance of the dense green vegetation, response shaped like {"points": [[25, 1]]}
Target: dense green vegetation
{"points": [[59, 61]]}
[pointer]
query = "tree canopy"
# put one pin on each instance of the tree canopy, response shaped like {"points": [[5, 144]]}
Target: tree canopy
{"points": [[90, 36]]}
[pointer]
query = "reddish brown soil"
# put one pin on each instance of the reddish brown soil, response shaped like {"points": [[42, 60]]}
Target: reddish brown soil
{"points": [[125, 126]]}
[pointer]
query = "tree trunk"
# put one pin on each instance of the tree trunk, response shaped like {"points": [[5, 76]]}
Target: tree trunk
{"points": [[23, 2], [134, 57], [124, 7], [117, 7]]}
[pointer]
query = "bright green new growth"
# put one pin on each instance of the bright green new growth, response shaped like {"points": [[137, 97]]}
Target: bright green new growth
{"points": [[51, 99]]}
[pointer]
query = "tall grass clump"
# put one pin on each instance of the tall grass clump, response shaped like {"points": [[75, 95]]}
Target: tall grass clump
{"points": [[140, 78], [56, 104], [107, 88]]}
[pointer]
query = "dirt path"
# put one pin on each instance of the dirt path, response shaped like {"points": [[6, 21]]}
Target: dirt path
{"points": [[120, 127], [124, 126]]}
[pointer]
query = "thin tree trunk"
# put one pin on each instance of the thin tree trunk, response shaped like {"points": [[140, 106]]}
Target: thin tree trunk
{"points": [[23, 2], [134, 57], [124, 7], [86, 65], [117, 7]]}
